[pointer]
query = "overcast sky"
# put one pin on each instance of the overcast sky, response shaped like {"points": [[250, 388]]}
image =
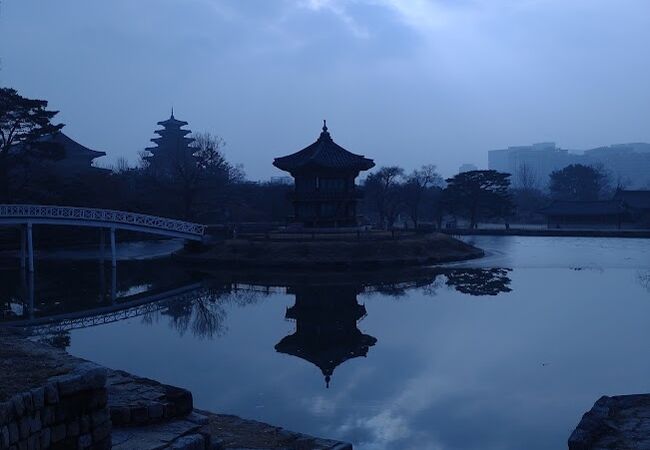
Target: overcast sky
{"points": [[405, 82]]}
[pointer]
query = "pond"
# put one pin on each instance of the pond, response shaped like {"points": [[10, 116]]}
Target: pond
{"points": [[506, 352]]}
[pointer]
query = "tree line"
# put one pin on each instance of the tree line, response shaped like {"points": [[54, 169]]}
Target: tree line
{"points": [[207, 188]]}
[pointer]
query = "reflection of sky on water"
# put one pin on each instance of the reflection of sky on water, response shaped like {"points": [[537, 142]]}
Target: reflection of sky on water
{"points": [[454, 367]]}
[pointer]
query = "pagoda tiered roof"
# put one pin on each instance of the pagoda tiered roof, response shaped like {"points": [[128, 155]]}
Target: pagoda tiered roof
{"points": [[324, 153]]}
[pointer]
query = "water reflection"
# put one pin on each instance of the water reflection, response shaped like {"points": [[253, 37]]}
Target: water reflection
{"points": [[480, 282], [204, 313], [326, 327]]}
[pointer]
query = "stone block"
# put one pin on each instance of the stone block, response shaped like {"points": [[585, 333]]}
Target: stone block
{"points": [[69, 384], [51, 394], [197, 418], [38, 397], [58, 432], [99, 417], [84, 424], [99, 399], [140, 415], [101, 432], [23, 428], [6, 412], [93, 376], [120, 415], [46, 437], [35, 424], [34, 442], [85, 441], [156, 411], [4, 437], [72, 428], [103, 445], [28, 402], [191, 442], [47, 416], [19, 405], [60, 413], [14, 433]]}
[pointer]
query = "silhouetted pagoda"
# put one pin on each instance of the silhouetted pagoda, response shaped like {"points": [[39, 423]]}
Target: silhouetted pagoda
{"points": [[172, 148], [326, 327], [325, 193]]}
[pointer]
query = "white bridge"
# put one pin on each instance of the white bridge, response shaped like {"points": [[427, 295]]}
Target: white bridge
{"points": [[28, 215]]}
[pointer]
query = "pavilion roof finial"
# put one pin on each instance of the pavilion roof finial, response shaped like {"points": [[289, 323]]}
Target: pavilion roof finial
{"points": [[325, 125], [172, 112]]}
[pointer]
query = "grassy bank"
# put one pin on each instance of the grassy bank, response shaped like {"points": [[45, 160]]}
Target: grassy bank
{"points": [[336, 254]]}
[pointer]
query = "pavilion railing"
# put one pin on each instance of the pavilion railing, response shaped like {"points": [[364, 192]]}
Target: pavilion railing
{"points": [[106, 216]]}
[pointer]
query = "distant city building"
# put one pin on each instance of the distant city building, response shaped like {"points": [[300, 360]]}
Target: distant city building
{"points": [[325, 193], [627, 164], [467, 168], [172, 148]]}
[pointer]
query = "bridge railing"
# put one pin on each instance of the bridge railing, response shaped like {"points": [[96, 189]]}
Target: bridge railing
{"points": [[108, 216]]}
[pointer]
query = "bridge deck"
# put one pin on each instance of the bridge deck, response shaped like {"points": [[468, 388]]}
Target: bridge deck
{"points": [[100, 218]]}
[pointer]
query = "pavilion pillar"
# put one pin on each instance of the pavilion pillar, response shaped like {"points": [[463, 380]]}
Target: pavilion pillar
{"points": [[23, 247], [30, 246], [113, 255]]}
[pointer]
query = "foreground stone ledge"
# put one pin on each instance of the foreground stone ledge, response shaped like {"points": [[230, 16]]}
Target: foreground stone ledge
{"points": [[68, 410], [619, 422], [52, 400]]}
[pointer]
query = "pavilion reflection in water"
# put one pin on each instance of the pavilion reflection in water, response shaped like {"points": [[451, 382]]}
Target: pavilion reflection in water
{"points": [[326, 327]]}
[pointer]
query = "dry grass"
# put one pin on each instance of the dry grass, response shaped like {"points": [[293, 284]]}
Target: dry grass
{"points": [[413, 250]]}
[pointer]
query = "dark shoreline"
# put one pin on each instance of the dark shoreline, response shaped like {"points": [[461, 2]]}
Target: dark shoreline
{"points": [[639, 234], [335, 255]]}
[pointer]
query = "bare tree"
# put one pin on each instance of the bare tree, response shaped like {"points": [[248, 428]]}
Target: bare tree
{"points": [[417, 184], [527, 179], [382, 190]]}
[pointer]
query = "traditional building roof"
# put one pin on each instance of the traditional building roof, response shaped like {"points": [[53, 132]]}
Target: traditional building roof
{"points": [[172, 122], [584, 208], [72, 147], [324, 153], [634, 199], [75, 157]]}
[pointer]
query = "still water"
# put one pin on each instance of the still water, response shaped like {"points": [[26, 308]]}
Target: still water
{"points": [[506, 352]]}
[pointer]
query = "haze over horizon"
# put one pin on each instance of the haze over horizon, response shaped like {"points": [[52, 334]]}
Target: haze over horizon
{"points": [[403, 82]]}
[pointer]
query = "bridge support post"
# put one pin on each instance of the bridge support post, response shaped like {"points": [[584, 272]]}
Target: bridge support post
{"points": [[113, 285], [30, 246], [102, 246], [23, 247], [113, 256]]}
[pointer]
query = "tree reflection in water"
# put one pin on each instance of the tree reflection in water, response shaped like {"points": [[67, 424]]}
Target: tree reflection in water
{"points": [[204, 315], [479, 282], [644, 279]]}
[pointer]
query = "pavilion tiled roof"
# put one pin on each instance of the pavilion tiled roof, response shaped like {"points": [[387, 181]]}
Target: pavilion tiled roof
{"points": [[584, 208], [324, 153]]}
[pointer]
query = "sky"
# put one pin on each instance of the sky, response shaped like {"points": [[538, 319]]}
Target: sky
{"points": [[405, 82]]}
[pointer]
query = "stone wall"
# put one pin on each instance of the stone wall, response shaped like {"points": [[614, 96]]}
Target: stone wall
{"points": [[68, 412]]}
